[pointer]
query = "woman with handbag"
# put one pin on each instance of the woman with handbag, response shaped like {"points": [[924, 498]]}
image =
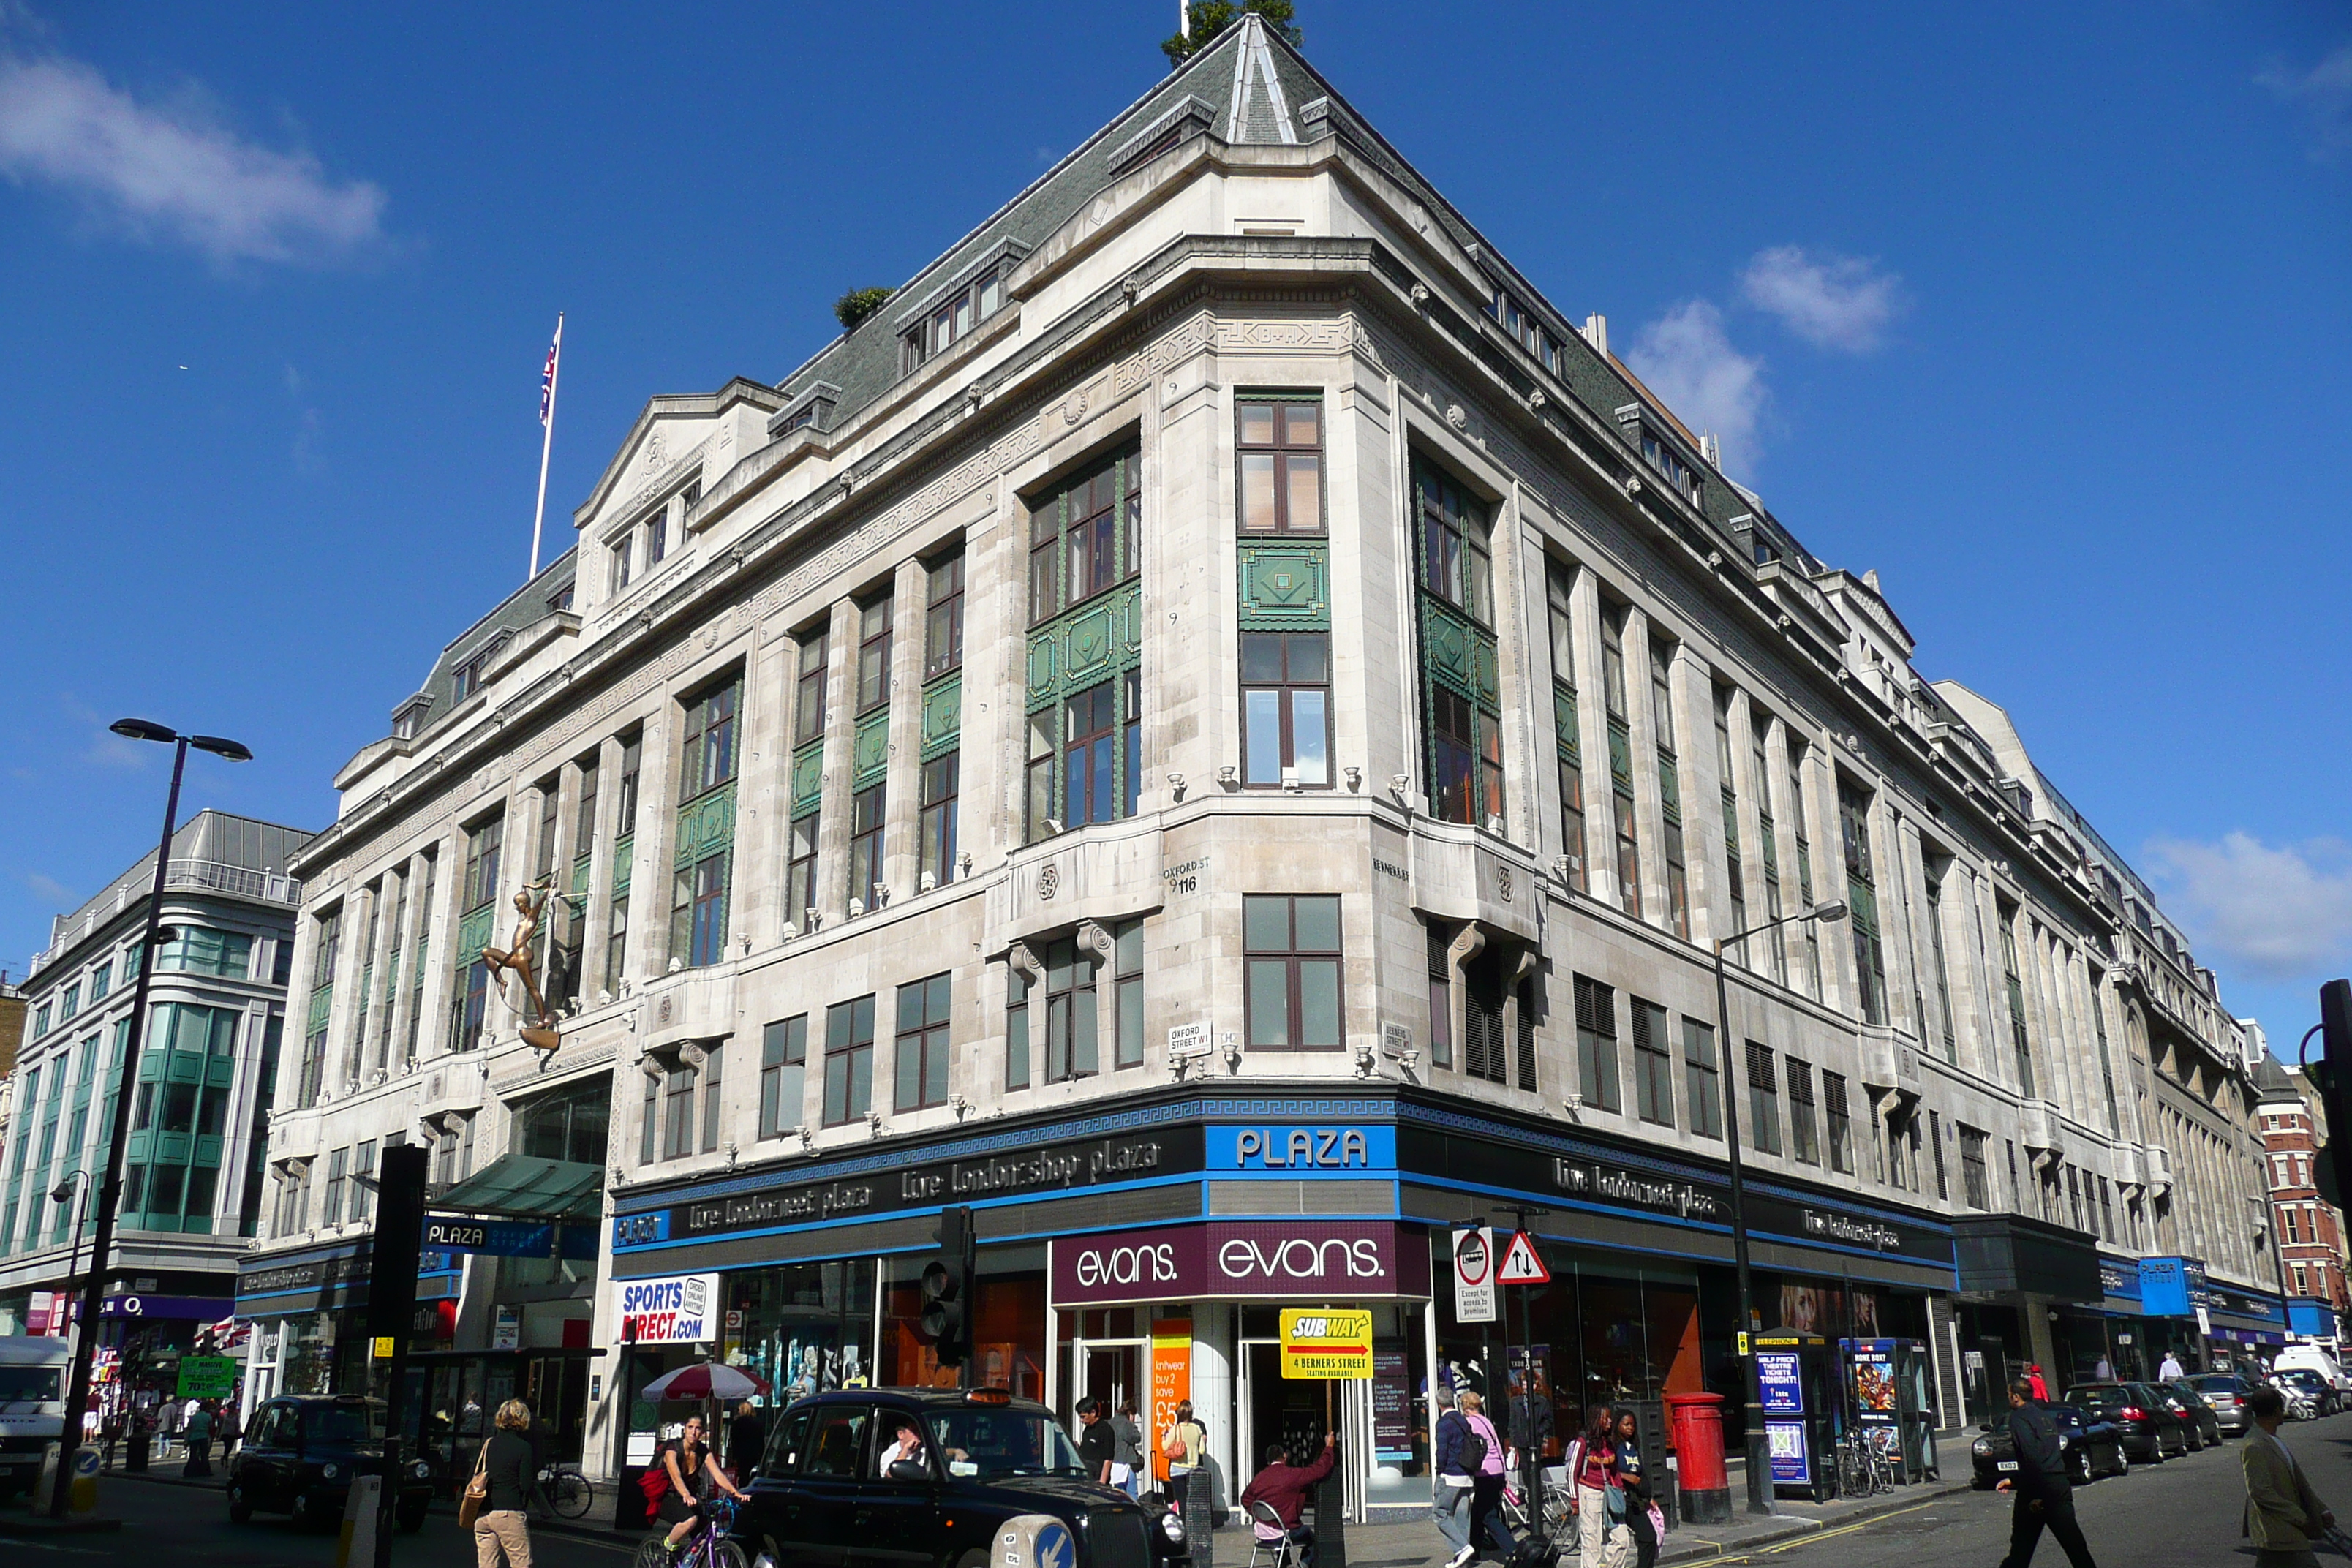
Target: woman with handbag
{"points": [[1643, 1516], [505, 1485], [1593, 1475]]}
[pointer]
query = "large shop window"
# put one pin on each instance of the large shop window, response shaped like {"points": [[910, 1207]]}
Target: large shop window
{"points": [[1291, 944], [807, 1328]]}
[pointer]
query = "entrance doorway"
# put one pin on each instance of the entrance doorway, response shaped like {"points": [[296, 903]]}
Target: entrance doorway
{"points": [[1277, 1409]]}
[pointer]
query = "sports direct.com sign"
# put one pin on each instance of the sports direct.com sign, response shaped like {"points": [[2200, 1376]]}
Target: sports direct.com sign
{"points": [[1241, 1257], [679, 1310]]}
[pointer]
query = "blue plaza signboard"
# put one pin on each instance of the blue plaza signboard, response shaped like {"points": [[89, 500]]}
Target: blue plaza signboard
{"points": [[1296, 1150], [507, 1237], [2172, 1287]]}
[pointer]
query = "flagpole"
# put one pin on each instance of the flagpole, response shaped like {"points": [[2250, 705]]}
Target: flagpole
{"points": [[547, 441]]}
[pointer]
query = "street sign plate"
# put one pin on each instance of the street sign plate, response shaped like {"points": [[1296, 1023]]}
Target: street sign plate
{"points": [[1520, 1264]]}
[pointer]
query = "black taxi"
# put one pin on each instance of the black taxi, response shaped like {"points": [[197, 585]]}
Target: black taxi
{"points": [[301, 1452], [834, 1491]]}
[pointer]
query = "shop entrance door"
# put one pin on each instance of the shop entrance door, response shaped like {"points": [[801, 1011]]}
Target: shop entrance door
{"points": [[1111, 1372], [1275, 1409]]}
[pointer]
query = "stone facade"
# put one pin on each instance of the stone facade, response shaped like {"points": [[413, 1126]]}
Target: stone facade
{"points": [[1515, 545]]}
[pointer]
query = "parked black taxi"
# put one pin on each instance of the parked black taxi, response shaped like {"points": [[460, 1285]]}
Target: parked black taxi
{"points": [[300, 1453], [830, 1493]]}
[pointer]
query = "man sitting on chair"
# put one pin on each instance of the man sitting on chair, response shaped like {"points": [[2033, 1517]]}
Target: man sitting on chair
{"points": [[1283, 1488]]}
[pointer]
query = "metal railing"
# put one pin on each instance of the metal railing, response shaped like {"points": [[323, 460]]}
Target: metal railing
{"points": [[213, 876]]}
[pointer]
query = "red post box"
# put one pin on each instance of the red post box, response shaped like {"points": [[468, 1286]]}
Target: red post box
{"points": [[1696, 1423]]}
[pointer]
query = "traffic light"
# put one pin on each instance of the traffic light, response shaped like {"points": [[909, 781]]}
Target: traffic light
{"points": [[399, 1232], [2336, 1076], [947, 1289]]}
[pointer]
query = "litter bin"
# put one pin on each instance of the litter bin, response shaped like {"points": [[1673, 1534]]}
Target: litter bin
{"points": [[135, 1451], [1697, 1423]]}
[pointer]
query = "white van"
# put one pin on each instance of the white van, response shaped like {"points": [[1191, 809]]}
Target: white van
{"points": [[2316, 1358], [33, 1369]]}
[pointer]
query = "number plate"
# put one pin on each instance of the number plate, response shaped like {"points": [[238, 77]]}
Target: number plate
{"points": [[2006, 1465]]}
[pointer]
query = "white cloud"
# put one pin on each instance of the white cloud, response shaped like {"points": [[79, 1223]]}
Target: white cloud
{"points": [[1842, 302], [2280, 914], [174, 172], [2325, 95], [48, 888], [1687, 361]]}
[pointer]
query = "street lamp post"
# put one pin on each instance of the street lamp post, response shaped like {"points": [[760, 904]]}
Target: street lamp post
{"points": [[1759, 1462], [109, 1192]]}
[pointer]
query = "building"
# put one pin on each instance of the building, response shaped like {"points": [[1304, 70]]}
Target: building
{"points": [[193, 1177], [2309, 1229], [1219, 730]]}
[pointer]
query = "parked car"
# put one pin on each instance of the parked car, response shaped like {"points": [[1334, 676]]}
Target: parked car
{"points": [[2150, 1429], [300, 1453], [2319, 1359], [2226, 1392], [2305, 1387], [987, 1458], [2092, 1447], [2201, 1411]]}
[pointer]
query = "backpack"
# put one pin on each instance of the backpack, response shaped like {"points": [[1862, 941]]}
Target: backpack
{"points": [[1473, 1449], [1535, 1552]]}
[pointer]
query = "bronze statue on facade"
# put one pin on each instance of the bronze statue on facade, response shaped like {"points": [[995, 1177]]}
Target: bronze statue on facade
{"points": [[530, 905]]}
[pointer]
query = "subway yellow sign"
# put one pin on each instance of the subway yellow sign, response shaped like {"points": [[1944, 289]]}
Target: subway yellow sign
{"points": [[1323, 1342]]}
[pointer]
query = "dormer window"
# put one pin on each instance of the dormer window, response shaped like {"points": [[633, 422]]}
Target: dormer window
{"points": [[472, 675], [1662, 456], [560, 599], [954, 315], [1522, 325]]}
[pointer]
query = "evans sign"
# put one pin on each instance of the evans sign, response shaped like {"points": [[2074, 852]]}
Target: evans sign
{"points": [[1303, 1260]]}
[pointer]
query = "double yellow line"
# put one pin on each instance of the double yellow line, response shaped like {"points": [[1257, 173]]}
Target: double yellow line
{"points": [[1721, 1560]]}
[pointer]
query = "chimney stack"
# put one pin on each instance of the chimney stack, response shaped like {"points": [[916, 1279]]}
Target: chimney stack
{"points": [[1596, 332]]}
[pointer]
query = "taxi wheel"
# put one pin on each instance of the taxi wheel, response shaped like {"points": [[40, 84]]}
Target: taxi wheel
{"points": [[2081, 1466], [240, 1511]]}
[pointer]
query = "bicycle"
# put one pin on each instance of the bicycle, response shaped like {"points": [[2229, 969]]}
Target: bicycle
{"points": [[1862, 1467], [567, 1492], [706, 1547], [1558, 1508]]}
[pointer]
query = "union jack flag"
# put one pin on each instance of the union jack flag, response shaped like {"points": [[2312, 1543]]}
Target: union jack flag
{"points": [[547, 376]]}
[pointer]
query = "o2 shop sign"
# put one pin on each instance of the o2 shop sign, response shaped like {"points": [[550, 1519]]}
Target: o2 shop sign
{"points": [[1241, 1258], [679, 1310]]}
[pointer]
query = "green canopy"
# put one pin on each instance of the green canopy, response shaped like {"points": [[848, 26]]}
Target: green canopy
{"points": [[522, 1186]]}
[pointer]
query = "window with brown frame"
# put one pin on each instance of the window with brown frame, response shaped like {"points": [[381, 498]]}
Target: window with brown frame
{"points": [[943, 617], [1291, 949], [1281, 465], [1085, 536], [808, 706], [873, 654], [1286, 709]]}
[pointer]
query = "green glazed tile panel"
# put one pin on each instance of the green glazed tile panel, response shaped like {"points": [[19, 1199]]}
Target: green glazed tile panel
{"points": [[942, 715], [869, 749], [808, 778], [475, 931], [1286, 588], [1563, 719], [706, 826], [322, 1001], [624, 856], [1101, 638]]}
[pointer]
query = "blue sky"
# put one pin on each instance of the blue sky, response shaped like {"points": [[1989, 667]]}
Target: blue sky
{"points": [[2041, 311]]}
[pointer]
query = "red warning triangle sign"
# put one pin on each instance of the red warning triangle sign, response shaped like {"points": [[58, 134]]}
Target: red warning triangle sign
{"points": [[1520, 1264]]}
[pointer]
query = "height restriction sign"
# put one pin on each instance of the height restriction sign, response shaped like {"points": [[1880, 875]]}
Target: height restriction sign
{"points": [[1520, 1264]]}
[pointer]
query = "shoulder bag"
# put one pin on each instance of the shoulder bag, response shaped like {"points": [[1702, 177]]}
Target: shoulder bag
{"points": [[478, 1490]]}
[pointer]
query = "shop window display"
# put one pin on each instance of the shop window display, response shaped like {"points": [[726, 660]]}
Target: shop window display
{"points": [[807, 1327], [1008, 1332]]}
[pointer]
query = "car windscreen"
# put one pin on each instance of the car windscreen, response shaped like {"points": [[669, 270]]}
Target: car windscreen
{"points": [[2218, 1383], [38, 1384], [2302, 1377], [2099, 1400], [344, 1424], [982, 1442]]}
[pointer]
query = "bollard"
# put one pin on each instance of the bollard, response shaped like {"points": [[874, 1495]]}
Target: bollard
{"points": [[1331, 1522], [1034, 1541], [1200, 1517], [136, 1460], [357, 1547], [83, 1497]]}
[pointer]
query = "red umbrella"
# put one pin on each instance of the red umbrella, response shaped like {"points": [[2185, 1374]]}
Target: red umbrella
{"points": [[705, 1380]]}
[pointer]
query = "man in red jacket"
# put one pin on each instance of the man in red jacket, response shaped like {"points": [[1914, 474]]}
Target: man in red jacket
{"points": [[1284, 1487]]}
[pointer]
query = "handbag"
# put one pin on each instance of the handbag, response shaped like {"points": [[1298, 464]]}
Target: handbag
{"points": [[478, 1490]]}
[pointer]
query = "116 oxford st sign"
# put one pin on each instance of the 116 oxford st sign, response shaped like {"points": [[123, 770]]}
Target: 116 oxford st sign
{"points": [[1016, 1170], [1297, 1259]]}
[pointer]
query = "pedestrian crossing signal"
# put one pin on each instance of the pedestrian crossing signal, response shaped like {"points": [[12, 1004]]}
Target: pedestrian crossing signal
{"points": [[1520, 1264]]}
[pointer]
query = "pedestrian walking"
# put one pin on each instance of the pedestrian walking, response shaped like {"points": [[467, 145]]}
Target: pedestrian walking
{"points": [[1449, 1488], [1486, 1523], [2283, 1517], [1592, 1471], [1643, 1516], [2170, 1370], [1095, 1444], [508, 1462], [1185, 1446], [2033, 1379], [2045, 1497], [747, 1442], [1127, 1449], [232, 1428], [199, 1430]]}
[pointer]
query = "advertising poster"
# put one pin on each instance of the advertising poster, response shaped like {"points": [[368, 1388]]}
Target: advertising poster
{"points": [[1327, 1342], [1171, 1380], [1785, 1442], [1784, 1390], [1392, 1409], [1870, 1376]]}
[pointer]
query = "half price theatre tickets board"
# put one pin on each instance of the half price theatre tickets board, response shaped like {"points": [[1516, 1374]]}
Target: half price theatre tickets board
{"points": [[1327, 1342]]}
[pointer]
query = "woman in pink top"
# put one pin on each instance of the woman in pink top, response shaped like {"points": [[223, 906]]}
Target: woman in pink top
{"points": [[1593, 1473], [1486, 1480]]}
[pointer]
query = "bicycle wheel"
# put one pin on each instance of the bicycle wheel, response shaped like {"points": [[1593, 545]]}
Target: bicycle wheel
{"points": [[571, 1494], [652, 1553], [728, 1554]]}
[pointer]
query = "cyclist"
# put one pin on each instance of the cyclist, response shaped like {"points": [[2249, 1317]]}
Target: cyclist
{"points": [[694, 1474]]}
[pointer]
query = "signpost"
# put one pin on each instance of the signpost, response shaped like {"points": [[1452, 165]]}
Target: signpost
{"points": [[1474, 1275], [1520, 1264], [1327, 1343]]}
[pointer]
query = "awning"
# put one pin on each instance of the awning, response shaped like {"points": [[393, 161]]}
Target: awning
{"points": [[521, 1186], [2002, 1254]]}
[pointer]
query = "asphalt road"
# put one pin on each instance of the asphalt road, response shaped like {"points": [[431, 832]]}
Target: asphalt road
{"points": [[2184, 1512]]}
